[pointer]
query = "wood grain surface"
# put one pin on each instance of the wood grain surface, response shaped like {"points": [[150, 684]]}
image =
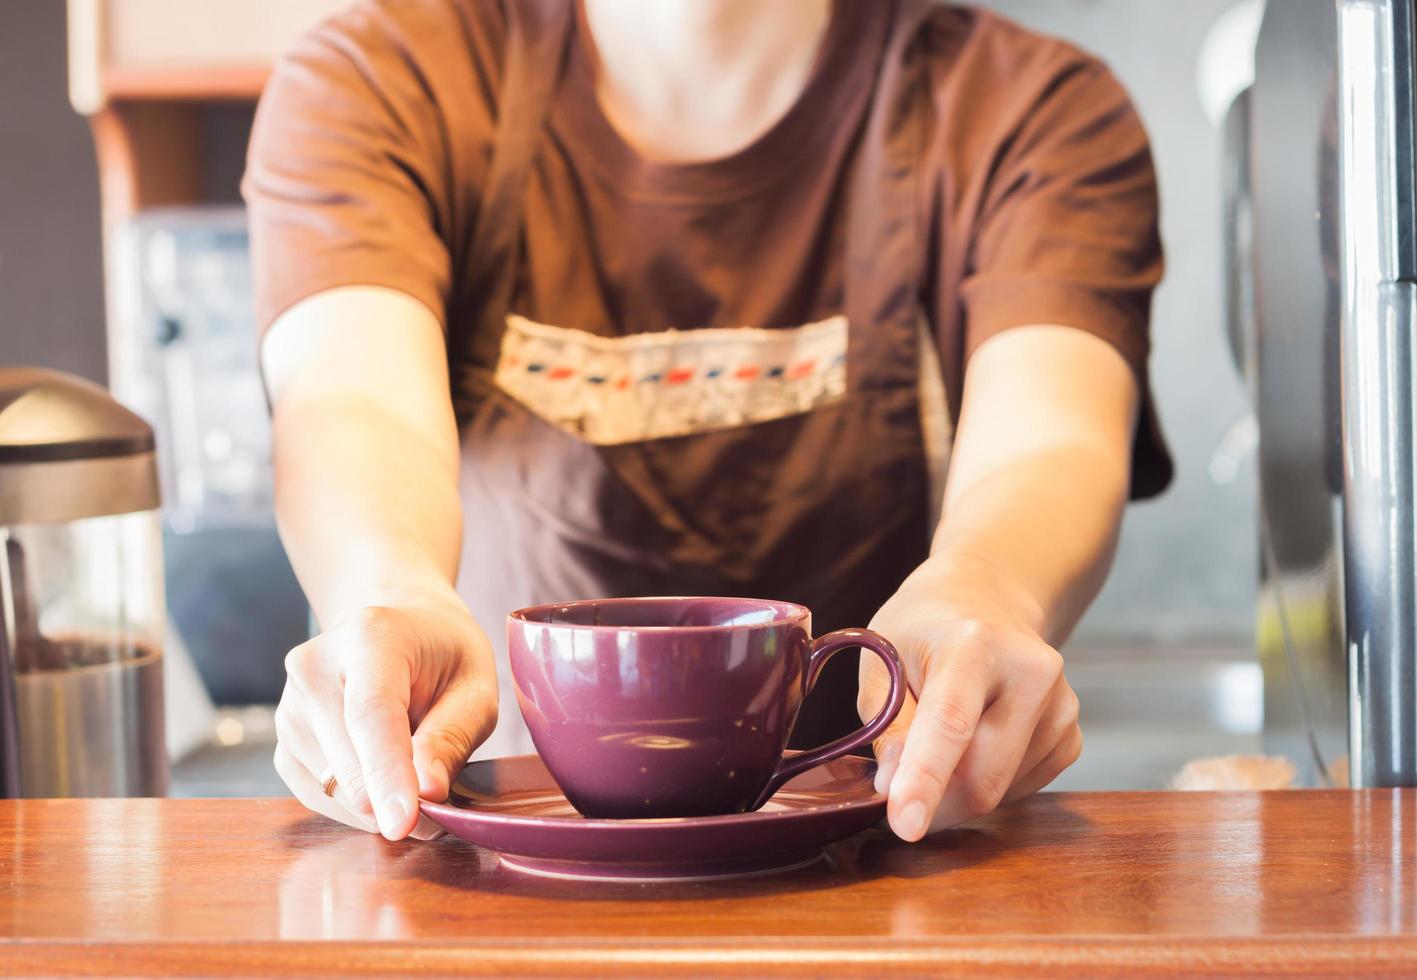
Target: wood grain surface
{"points": [[1317, 882]]}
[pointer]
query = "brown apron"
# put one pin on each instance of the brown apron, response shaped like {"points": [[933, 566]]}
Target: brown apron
{"points": [[829, 508]]}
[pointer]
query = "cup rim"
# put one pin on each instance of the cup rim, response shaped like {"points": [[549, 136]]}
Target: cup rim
{"points": [[794, 613]]}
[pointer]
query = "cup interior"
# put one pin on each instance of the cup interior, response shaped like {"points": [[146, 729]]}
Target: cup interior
{"points": [[664, 613]]}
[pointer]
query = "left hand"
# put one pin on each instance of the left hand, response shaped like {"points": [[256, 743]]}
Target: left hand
{"points": [[992, 717]]}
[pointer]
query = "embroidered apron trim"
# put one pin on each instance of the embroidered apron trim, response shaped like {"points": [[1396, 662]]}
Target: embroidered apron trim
{"points": [[611, 390]]}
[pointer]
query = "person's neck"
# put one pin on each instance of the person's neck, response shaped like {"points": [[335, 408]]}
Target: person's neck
{"points": [[697, 79]]}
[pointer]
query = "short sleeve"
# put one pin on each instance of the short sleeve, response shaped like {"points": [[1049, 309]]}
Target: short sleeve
{"points": [[1068, 234], [346, 177]]}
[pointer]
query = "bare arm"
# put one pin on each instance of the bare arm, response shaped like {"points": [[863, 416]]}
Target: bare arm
{"points": [[366, 451], [1039, 477], [398, 687], [1038, 480]]}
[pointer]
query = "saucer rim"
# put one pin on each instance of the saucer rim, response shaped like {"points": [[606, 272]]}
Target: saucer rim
{"points": [[511, 863], [640, 825]]}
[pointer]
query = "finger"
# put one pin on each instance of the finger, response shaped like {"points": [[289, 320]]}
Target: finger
{"points": [[946, 717], [317, 740], [1059, 720], [376, 718], [306, 788], [988, 767], [1049, 768], [457, 723], [309, 721], [873, 688], [891, 745]]}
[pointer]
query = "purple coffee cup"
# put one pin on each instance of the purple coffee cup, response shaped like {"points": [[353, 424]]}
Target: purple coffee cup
{"points": [[677, 707]]}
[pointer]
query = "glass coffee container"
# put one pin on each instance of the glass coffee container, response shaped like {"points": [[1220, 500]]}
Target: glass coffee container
{"points": [[81, 593]]}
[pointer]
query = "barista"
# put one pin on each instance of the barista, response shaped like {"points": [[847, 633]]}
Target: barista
{"points": [[646, 297]]}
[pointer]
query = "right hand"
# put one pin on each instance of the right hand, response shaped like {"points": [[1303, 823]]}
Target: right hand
{"points": [[392, 700]]}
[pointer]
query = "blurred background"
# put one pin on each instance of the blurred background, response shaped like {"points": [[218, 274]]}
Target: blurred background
{"points": [[145, 288]]}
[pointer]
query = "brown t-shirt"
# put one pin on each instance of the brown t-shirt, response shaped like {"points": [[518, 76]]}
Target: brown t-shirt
{"points": [[1035, 190]]}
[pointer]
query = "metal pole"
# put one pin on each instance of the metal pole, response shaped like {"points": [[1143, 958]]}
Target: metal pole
{"points": [[1375, 102]]}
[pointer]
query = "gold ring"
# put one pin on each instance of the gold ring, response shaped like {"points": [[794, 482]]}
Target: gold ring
{"points": [[327, 782]]}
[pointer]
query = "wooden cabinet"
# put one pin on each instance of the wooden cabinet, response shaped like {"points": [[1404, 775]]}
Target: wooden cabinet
{"points": [[180, 50]]}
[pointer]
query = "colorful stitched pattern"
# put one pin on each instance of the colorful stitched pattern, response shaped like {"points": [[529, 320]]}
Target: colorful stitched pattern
{"points": [[610, 390]]}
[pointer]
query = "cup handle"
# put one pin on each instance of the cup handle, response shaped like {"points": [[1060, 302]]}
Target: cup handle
{"points": [[822, 650]]}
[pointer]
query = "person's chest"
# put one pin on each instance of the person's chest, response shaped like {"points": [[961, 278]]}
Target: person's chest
{"points": [[615, 246], [613, 261]]}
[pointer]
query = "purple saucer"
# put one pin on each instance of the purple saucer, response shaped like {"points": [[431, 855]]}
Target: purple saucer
{"points": [[512, 806]]}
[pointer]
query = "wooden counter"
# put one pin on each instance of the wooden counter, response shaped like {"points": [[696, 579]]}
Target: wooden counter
{"points": [[1088, 884]]}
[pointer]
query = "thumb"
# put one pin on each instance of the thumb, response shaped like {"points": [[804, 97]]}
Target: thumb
{"points": [[874, 686], [456, 724]]}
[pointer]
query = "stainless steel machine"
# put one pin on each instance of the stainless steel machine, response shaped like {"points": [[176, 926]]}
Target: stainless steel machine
{"points": [[1322, 214], [81, 596]]}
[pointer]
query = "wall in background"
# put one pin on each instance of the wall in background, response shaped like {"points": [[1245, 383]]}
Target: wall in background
{"points": [[51, 264], [1188, 562]]}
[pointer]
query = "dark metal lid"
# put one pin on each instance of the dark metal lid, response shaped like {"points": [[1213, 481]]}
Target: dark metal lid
{"points": [[49, 416]]}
